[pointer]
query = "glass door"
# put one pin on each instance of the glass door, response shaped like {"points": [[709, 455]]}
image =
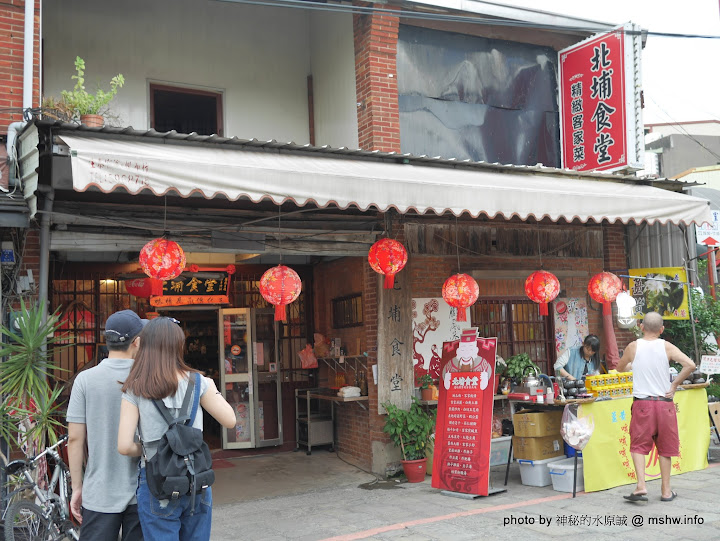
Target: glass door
{"points": [[236, 376], [266, 378]]}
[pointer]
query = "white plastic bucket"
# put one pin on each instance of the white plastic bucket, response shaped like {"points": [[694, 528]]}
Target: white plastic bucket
{"points": [[536, 473], [562, 475]]}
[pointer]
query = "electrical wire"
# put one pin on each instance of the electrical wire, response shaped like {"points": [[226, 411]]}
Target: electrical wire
{"points": [[407, 14]]}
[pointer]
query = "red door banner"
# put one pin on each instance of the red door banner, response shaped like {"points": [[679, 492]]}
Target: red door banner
{"points": [[599, 108], [463, 430]]}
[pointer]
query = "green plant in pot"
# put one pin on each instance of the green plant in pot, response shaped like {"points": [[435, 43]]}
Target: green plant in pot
{"points": [[88, 107], [425, 382], [29, 411], [412, 431], [520, 365]]}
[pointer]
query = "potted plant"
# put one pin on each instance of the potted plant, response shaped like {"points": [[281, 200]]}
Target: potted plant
{"points": [[29, 405], [425, 386], [518, 366], [88, 107], [411, 430]]}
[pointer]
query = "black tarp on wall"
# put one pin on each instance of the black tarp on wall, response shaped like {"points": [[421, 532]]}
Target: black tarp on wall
{"points": [[474, 98]]}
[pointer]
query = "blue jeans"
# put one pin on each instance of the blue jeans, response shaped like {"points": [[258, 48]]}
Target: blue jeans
{"points": [[170, 520]]}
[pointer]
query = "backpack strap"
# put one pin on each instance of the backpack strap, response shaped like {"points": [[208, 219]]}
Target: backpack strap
{"points": [[169, 419], [196, 399]]}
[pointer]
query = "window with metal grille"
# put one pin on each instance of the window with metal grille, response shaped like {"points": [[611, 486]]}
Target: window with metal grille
{"points": [[347, 311], [519, 328]]}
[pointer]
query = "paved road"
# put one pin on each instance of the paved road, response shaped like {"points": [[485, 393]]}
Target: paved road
{"points": [[354, 506]]}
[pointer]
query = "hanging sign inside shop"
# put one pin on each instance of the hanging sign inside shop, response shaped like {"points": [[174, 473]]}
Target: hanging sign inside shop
{"points": [[463, 430], [200, 288], [662, 290], [601, 125]]}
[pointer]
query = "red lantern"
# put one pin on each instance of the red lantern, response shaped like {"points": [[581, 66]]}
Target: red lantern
{"points": [[162, 259], [604, 288], [388, 257], [460, 291], [280, 286], [140, 287], [542, 287]]}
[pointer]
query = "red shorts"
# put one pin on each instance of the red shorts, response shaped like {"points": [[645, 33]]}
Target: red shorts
{"points": [[654, 421]]}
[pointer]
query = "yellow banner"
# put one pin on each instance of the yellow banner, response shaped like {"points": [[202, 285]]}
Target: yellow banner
{"points": [[606, 458], [660, 291]]}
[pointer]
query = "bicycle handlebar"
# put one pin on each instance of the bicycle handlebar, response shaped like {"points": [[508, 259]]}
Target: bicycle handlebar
{"points": [[60, 441]]}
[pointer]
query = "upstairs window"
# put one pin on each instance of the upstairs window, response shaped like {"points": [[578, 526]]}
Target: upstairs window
{"points": [[185, 110]]}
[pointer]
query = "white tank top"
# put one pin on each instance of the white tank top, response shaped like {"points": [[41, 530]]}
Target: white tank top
{"points": [[651, 369]]}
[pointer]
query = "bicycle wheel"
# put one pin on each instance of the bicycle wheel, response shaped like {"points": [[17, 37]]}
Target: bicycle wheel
{"points": [[24, 521]]}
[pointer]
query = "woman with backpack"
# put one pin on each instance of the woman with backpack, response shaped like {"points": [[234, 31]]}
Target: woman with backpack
{"points": [[156, 406]]}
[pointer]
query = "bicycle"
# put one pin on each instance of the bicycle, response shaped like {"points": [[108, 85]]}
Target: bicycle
{"points": [[48, 520]]}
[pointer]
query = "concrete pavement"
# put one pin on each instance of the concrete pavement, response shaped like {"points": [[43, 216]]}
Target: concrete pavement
{"points": [[326, 499]]}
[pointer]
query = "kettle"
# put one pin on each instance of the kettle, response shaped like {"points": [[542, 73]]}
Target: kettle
{"points": [[532, 380]]}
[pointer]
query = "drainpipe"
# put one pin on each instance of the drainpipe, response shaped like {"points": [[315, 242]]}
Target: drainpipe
{"points": [[45, 247], [28, 56]]}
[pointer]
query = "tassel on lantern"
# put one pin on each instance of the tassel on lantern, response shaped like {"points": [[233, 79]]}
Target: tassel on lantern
{"points": [[280, 312], [156, 286], [461, 314]]}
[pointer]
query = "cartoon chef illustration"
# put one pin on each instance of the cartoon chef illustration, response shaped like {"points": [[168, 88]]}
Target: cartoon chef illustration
{"points": [[467, 360]]}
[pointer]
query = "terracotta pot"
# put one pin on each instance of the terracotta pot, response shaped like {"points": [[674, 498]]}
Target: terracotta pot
{"points": [[426, 394], [92, 121], [415, 470]]}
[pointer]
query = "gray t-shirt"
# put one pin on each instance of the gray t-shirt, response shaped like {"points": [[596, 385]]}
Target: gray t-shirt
{"points": [[110, 478], [153, 425]]}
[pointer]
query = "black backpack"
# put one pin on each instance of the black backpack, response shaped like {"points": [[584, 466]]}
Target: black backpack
{"points": [[182, 464]]}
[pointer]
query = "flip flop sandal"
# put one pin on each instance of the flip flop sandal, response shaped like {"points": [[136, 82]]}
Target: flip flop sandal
{"points": [[636, 498], [673, 495]]}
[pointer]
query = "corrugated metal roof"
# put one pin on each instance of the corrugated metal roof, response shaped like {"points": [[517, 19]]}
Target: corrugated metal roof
{"points": [[326, 150]]}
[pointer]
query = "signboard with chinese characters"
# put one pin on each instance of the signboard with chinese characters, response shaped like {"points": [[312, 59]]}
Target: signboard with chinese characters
{"points": [[463, 429], [710, 364], [662, 290], [709, 234], [395, 383], [433, 322], [601, 125], [196, 288]]}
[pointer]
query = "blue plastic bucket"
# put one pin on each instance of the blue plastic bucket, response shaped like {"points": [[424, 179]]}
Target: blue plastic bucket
{"points": [[570, 451]]}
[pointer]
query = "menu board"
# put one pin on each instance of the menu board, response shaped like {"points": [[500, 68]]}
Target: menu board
{"points": [[461, 458]]}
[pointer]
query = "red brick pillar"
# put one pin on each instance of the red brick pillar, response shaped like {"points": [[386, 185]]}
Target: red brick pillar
{"points": [[12, 40], [615, 260], [376, 36]]}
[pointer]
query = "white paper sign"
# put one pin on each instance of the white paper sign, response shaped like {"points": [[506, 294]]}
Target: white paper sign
{"points": [[707, 231], [710, 364]]}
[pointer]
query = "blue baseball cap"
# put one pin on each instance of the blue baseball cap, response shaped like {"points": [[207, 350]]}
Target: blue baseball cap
{"points": [[122, 327]]}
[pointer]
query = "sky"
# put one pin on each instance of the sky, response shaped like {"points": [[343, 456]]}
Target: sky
{"points": [[681, 76]]}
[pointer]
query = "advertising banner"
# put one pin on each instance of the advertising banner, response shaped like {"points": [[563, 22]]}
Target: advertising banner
{"points": [[607, 457], [600, 111], [662, 290], [463, 430]]}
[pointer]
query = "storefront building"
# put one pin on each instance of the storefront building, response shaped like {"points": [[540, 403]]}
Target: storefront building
{"points": [[487, 104]]}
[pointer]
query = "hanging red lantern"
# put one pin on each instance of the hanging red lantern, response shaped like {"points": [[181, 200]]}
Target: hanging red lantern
{"points": [[604, 288], [280, 286], [542, 287], [162, 259], [460, 291], [388, 257], [140, 287]]}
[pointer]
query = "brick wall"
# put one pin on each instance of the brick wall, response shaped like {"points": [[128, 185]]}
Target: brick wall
{"points": [[338, 279], [12, 35], [376, 37]]}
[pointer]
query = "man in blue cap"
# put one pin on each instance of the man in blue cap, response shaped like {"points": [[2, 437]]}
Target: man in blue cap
{"points": [[103, 500]]}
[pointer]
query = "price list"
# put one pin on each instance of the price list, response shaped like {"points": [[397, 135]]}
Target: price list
{"points": [[463, 427]]}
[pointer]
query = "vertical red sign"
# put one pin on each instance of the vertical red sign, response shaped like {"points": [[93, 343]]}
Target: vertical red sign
{"points": [[593, 115], [463, 430]]}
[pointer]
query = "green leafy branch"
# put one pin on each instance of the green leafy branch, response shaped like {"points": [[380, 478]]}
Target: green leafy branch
{"points": [[84, 103], [411, 430]]}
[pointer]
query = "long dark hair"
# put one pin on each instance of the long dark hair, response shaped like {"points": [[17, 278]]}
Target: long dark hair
{"points": [[592, 341], [159, 360]]}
